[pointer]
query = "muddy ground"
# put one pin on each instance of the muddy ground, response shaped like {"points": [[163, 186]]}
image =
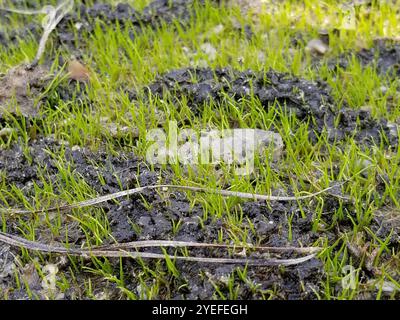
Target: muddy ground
{"points": [[384, 56], [156, 223], [308, 101], [302, 97], [159, 11], [271, 223]]}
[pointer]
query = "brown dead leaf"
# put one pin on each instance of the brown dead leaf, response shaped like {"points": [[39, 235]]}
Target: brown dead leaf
{"points": [[77, 71]]}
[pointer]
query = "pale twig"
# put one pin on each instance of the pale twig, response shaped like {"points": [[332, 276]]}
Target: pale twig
{"points": [[53, 16], [177, 244], [52, 20], [117, 252], [226, 193]]}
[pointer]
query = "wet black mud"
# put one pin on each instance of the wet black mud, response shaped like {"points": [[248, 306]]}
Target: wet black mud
{"points": [[153, 214], [82, 19], [309, 101], [156, 222], [150, 216], [384, 56], [305, 99]]}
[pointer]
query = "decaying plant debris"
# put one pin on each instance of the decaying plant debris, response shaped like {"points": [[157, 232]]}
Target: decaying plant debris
{"points": [[121, 250], [53, 16], [20, 89]]}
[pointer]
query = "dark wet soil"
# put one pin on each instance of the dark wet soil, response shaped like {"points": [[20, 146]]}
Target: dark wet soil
{"points": [[82, 19], [21, 172], [384, 56], [305, 99], [308, 101], [150, 216]]}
